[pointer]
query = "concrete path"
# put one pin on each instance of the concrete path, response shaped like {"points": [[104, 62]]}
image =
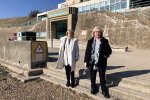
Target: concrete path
{"points": [[134, 63]]}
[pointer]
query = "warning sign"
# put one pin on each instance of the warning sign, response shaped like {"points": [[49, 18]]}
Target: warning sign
{"points": [[39, 49], [39, 57]]}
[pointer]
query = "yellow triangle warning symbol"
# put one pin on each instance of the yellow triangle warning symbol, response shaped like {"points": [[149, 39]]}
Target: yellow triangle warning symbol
{"points": [[39, 49]]}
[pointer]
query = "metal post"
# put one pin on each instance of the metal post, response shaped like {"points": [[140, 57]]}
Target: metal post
{"points": [[51, 39], [115, 8], [132, 4], [125, 13], [139, 12]]}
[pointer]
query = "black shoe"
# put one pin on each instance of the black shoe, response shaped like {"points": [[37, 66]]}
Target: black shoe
{"points": [[93, 92], [68, 84], [106, 94], [72, 85]]}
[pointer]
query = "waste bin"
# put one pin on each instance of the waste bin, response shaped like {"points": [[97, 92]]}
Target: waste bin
{"points": [[28, 35]]}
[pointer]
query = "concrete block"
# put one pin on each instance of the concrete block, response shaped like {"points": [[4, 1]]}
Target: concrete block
{"points": [[23, 78], [33, 72]]}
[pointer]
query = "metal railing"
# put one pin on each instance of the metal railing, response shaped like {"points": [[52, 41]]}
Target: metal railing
{"points": [[26, 24]]}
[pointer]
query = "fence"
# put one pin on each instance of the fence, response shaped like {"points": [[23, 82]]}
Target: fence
{"points": [[26, 25], [44, 35]]}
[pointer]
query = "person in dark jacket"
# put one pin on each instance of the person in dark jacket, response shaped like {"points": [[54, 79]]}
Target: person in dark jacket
{"points": [[97, 52]]}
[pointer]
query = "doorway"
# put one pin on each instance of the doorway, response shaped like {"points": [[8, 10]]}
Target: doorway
{"points": [[61, 28]]}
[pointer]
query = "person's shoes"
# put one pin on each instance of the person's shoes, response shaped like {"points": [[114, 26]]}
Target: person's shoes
{"points": [[72, 85], [93, 92], [106, 94], [68, 84]]}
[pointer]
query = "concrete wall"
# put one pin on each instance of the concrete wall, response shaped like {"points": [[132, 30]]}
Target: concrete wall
{"points": [[19, 53], [15, 52], [120, 33]]}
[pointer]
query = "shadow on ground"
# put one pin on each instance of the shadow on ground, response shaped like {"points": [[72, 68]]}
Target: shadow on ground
{"points": [[52, 59], [53, 53], [113, 79]]}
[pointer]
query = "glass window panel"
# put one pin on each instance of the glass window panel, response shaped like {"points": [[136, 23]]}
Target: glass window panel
{"points": [[96, 5], [112, 7], [123, 5], [118, 6], [123, 0], [92, 7], [88, 7], [84, 8], [80, 9], [101, 8], [107, 7], [107, 2], [118, 1], [102, 3], [79, 12], [112, 1], [95, 9]]}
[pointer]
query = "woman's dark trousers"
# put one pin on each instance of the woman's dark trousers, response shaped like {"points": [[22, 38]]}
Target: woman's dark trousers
{"points": [[68, 72], [93, 73]]}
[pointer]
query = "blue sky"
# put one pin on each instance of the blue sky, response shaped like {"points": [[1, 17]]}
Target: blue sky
{"points": [[20, 8]]}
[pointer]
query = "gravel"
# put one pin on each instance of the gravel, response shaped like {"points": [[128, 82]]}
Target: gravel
{"points": [[13, 89]]}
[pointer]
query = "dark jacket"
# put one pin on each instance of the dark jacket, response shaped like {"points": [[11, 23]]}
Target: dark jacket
{"points": [[104, 50]]}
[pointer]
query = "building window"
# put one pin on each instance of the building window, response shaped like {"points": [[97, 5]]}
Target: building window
{"points": [[123, 5], [80, 10], [96, 6], [104, 5], [83, 9], [118, 5], [112, 1], [88, 8]]}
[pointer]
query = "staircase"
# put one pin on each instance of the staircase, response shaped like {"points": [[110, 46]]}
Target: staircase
{"points": [[122, 89]]}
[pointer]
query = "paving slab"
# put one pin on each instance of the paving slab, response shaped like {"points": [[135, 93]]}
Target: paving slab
{"points": [[134, 63], [131, 69]]}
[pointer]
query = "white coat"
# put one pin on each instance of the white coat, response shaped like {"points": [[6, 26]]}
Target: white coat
{"points": [[74, 53]]}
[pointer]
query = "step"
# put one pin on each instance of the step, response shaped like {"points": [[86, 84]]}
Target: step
{"points": [[130, 83], [114, 79], [21, 70], [23, 78], [78, 89], [115, 90]]}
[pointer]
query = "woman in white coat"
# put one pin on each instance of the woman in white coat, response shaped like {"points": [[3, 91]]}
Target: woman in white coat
{"points": [[68, 55]]}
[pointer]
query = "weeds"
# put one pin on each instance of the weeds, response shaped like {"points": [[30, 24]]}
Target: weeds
{"points": [[58, 85], [4, 73], [38, 80], [51, 82], [14, 79], [73, 91], [84, 95]]}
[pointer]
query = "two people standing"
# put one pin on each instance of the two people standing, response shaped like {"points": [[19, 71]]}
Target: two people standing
{"points": [[97, 52]]}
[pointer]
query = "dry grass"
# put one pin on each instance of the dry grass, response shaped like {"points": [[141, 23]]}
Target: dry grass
{"points": [[16, 20]]}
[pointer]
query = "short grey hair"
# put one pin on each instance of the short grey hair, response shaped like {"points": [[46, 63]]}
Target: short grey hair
{"points": [[97, 28]]}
